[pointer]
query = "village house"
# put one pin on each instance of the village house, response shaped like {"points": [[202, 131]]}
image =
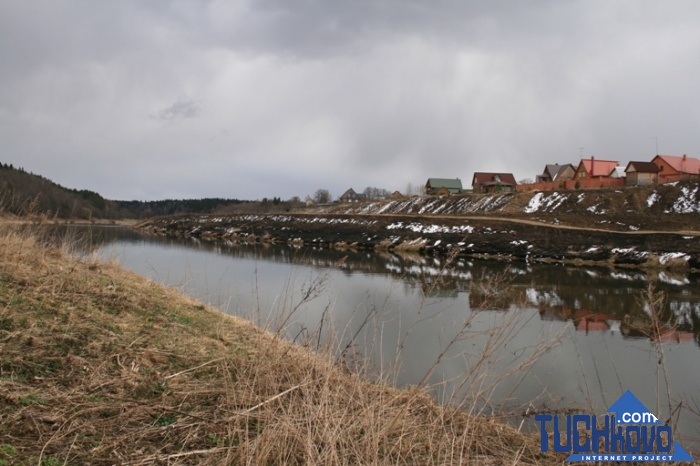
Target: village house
{"points": [[556, 172], [351, 196], [493, 182], [674, 168], [443, 186], [641, 173], [618, 172], [595, 168]]}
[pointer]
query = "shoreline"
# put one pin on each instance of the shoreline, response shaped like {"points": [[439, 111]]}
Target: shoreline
{"points": [[479, 237]]}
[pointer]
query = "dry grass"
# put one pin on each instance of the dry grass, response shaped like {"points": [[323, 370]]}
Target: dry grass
{"points": [[101, 366]]}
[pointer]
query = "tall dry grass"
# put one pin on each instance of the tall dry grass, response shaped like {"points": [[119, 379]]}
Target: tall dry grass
{"points": [[101, 366]]}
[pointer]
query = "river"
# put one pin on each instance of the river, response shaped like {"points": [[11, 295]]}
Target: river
{"points": [[500, 338]]}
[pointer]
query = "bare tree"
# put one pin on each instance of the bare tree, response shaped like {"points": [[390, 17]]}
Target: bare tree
{"points": [[375, 193], [322, 196], [414, 189]]}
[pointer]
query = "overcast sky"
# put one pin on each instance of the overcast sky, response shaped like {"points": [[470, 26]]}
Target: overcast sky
{"points": [[248, 99]]}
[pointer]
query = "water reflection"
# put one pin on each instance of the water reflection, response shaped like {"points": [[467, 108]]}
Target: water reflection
{"points": [[516, 336], [593, 299]]}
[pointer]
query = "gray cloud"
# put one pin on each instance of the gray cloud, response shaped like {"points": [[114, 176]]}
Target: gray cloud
{"points": [[294, 96], [181, 109]]}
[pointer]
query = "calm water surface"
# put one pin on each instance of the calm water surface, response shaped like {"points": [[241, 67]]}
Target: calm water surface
{"points": [[498, 337]]}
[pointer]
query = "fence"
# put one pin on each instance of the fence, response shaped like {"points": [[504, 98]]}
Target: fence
{"points": [[581, 183]]}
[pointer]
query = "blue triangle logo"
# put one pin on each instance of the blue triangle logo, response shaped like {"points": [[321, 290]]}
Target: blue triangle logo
{"points": [[629, 410]]}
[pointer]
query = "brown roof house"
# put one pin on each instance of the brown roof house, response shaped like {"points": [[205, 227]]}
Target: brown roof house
{"points": [[642, 173], [556, 172], [674, 168], [351, 196], [494, 182], [443, 186]]}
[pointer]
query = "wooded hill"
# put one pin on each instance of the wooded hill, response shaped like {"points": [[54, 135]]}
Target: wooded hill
{"points": [[23, 192]]}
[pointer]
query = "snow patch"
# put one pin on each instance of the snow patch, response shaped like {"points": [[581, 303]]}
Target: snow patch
{"points": [[666, 278], [688, 202], [534, 204], [653, 199], [427, 229], [665, 258], [594, 209], [546, 203]]}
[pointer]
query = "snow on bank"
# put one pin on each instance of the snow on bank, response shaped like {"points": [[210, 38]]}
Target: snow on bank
{"points": [[653, 199], [687, 203], [665, 258], [453, 205], [540, 202], [421, 228]]}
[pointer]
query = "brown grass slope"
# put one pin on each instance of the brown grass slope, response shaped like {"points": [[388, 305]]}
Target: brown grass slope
{"points": [[101, 366]]}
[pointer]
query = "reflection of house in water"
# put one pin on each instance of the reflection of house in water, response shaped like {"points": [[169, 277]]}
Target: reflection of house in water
{"points": [[631, 327], [584, 320], [554, 313], [676, 336], [643, 327]]}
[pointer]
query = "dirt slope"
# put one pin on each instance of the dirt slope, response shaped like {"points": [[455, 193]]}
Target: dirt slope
{"points": [[655, 208]]}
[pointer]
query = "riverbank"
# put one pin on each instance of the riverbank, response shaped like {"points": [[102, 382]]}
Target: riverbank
{"points": [[655, 227], [505, 237], [101, 366]]}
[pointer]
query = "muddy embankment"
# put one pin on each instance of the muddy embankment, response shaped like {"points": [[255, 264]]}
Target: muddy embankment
{"points": [[503, 238]]}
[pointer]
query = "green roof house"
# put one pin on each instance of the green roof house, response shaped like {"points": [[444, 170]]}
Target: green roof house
{"points": [[443, 186]]}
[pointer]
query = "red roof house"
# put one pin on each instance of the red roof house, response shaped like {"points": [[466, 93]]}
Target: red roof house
{"points": [[595, 168], [675, 168]]}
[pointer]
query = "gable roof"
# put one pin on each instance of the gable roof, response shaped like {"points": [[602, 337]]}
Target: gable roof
{"points": [[642, 167], [598, 167], [449, 183], [685, 164], [554, 170], [482, 178], [617, 172]]}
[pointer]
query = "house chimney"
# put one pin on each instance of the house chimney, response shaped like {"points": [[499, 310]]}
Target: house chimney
{"points": [[685, 156]]}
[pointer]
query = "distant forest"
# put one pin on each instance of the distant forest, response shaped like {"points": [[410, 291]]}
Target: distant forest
{"points": [[23, 193]]}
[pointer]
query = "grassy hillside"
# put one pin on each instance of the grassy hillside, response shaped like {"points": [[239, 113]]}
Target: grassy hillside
{"points": [[101, 366]]}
